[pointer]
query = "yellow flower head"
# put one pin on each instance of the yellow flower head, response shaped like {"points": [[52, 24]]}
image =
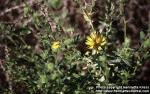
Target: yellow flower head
{"points": [[95, 41], [55, 45]]}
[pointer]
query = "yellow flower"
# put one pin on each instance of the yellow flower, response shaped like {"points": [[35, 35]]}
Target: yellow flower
{"points": [[95, 41], [55, 45]]}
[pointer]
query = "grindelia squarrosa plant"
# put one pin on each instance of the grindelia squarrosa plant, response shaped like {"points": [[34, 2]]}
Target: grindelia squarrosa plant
{"points": [[65, 47]]}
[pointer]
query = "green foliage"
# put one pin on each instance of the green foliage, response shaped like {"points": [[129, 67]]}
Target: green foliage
{"points": [[55, 3]]}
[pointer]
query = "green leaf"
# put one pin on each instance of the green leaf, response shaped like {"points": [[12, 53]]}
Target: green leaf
{"points": [[126, 62], [43, 79], [50, 66], [102, 79], [126, 42], [142, 36], [68, 41], [115, 61], [55, 3], [54, 76], [76, 75], [146, 43]]}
